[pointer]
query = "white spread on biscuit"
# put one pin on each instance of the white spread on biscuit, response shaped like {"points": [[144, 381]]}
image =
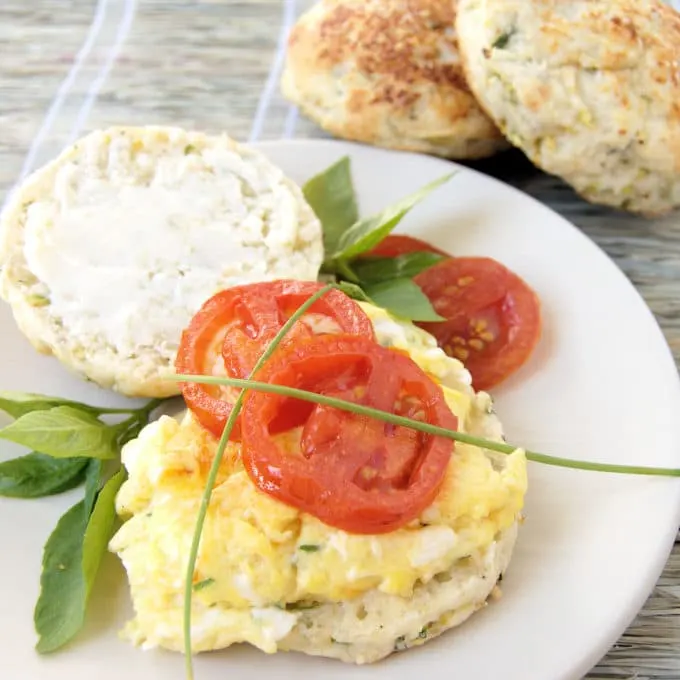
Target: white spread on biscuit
{"points": [[130, 246]]}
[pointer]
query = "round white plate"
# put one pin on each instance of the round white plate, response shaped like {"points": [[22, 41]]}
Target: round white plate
{"points": [[601, 386]]}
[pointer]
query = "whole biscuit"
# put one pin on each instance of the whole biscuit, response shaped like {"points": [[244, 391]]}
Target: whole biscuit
{"points": [[87, 261], [589, 90], [388, 73]]}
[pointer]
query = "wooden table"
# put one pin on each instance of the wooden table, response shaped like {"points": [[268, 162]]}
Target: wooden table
{"points": [[74, 65]]}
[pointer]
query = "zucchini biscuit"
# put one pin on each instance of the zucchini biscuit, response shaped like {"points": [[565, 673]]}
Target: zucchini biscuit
{"points": [[387, 73], [588, 90], [108, 251]]}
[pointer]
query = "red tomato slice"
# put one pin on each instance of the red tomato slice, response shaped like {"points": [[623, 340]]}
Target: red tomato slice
{"points": [[352, 472], [258, 311], [232, 329], [493, 318], [398, 244]]}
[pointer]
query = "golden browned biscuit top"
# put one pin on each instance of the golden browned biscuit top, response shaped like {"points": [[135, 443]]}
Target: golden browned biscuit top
{"points": [[402, 39], [387, 72]]}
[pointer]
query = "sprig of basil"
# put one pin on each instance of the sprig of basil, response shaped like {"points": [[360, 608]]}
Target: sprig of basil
{"points": [[70, 442], [63, 432], [36, 475], [346, 237], [331, 196], [366, 233], [71, 561], [379, 269], [403, 298]]}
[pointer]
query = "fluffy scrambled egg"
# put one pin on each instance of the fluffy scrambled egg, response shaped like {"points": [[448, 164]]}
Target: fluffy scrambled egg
{"points": [[262, 562]]}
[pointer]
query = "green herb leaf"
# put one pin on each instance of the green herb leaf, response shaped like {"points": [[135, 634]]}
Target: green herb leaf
{"points": [[100, 528], [353, 291], [310, 548], [331, 196], [92, 476], [63, 432], [403, 298], [71, 561], [36, 475], [367, 233], [203, 584], [17, 404], [501, 42], [378, 269], [59, 612], [300, 606]]}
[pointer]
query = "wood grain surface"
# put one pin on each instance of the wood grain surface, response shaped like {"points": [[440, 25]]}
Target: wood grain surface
{"points": [[212, 64]]}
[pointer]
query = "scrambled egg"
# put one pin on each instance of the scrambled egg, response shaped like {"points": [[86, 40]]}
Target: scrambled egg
{"points": [[260, 561]]}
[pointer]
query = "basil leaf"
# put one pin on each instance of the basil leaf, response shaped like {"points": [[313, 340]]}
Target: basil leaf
{"points": [[331, 196], [17, 404], [100, 528], [63, 432], [71, 561], [368, 232], [403, 298], [60, 611], [92, 477], [36, 475], [353, 291], [377, 269]]}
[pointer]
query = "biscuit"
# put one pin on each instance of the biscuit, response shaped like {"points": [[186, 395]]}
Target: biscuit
{"points": [[387, 73], [588, 90], [107, 252]]}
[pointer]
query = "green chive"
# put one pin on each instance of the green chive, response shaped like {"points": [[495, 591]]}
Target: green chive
{"points": [[203, 584], [385, 416], [214, 469], [309, 548]]}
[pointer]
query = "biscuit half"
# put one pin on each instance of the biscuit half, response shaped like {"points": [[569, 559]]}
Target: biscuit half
{"points": [[107, 252]]}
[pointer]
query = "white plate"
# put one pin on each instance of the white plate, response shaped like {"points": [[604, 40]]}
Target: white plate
{"points": [[601, 386]]}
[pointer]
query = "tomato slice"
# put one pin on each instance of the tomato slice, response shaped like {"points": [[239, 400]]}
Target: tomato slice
{"points": [[352, 472], [493, 318], [394, 245], [232, 329], [258, 311]]}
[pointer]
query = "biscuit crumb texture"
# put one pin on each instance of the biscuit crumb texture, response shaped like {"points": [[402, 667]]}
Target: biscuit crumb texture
{"points": [[589, 90], [387, 73], [108, 251]]}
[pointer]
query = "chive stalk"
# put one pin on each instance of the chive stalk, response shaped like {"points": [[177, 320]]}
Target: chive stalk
{"points": [[214, 469], [427, 428]]}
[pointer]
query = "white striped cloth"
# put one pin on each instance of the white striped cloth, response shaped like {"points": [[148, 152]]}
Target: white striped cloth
{"points": [[74, 100]]}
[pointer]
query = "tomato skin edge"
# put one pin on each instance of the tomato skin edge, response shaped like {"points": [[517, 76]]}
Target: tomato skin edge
{"points": [[211, 412], [505, 297], [220, 313]]}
